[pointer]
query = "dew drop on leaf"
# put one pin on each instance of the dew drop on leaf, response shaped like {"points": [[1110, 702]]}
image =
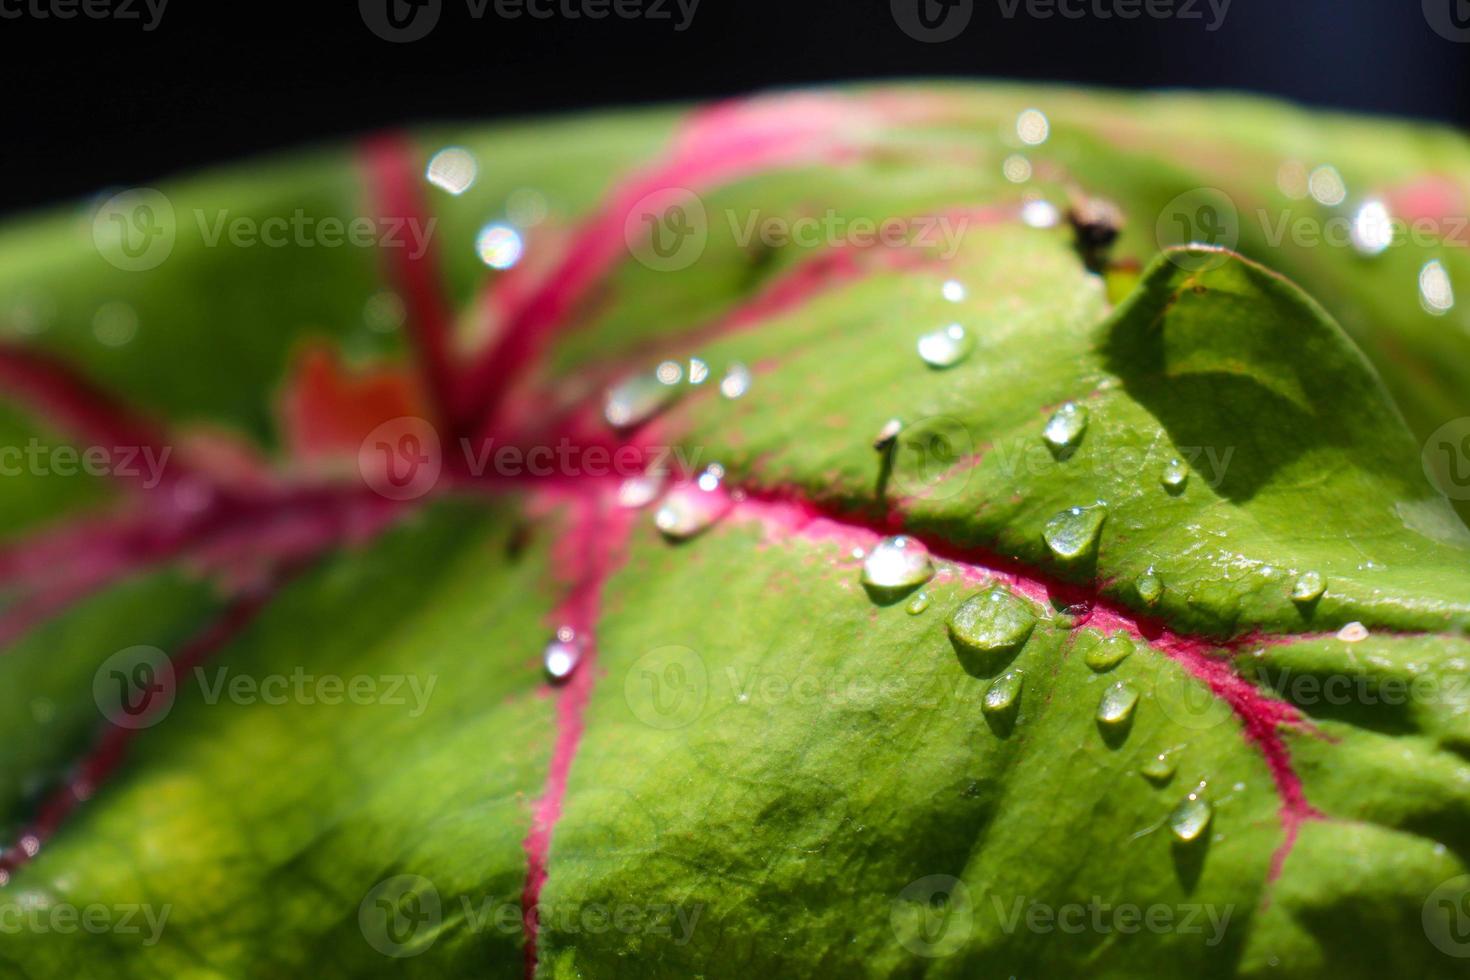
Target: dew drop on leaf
{"points": [[639, 491], [698, 371], [1353, 633], [887, 435], [1308, 588], [946, 346], [1117, 704], [1191, 817], [635, 400], [1150, 587], [918, 603], [736, 381], [1109, 652], [1159, 769], [995, 621], [691, 508], [1073, 533], [1063, 432], [1003, 692], [562, 655], [897, 564], [1175, 476]]}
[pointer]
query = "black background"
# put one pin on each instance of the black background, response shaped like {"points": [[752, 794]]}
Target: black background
{"points": [[92, 103]]}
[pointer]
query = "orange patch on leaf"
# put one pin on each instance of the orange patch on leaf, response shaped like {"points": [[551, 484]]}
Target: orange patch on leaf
{"points": [[328, 409]]}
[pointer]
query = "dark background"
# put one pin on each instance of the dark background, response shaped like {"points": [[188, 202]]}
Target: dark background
{"points": [[90, 103]]}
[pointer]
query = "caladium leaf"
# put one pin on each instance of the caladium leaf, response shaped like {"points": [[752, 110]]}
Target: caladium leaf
{"points": [[1163, 677]]}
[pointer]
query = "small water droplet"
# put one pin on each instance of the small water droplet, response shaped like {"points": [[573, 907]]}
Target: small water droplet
{"points": [[1040, 213], [918, 603], [115, 324], [993, 622], [639, 491], [499, 245], [1191, 817], [1436, 294], [1175, 476], [1109, 652], [1308, 588], [1353, 633], [452, 169], [736, 381], [946, 346], [1372, 230], [562, 654], [526, 206], [635, 400], [710, 480], [953, 290], [1117, 704], [1016, 168], [1150, 587], [1063, 432], [1326, 186], [1003, 693], [690, 508], [1032, 127], [887, 435], [383, 312], [1159, 769], [1073, 534], [895, 565], [669, 372], [698, 371]]}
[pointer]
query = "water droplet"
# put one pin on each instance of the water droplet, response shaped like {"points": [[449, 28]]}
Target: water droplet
{"points": [[953, 290], [1372, 230], [1353, 633], [1326, 186], [562, 654], [993, 622], [1073, 534], [1308, 588], [1109, 652], [639, 491], [526, 207], [946, 346], [1040, 213], [1032, 127], [1291, 179], [1150, 587], [1117, 704], [115, 324], [1063, 432], [1016, 169], [635, 400], [669, 372], [698, 371], [499, 245], [691, 508], [736, 381], [383, 312], [452, 169], [1191, 817], [1003, 693], [896, 565], [1436, 294], [1159, 769], [886, 435], [710, 480], [1175, 476], [918, 603]]}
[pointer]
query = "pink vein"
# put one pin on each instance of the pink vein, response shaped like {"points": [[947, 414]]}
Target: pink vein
{"points": [[591, 550]]}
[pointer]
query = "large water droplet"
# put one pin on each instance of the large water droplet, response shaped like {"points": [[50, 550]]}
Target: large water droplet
{"points": [[1150, 587], [736, 381], [691, 508], [1175, 476], [896, 565], [1308, 588], [992, 624], [639, 491], [1109, 652], [499, 245], [562, 654], [452, 169], [1073, 534], [1372, 230], [946, 346], [1159, 769], [1117, 704], [1191, 817], [635, 400], [1003, 693], [1063, 432]]}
